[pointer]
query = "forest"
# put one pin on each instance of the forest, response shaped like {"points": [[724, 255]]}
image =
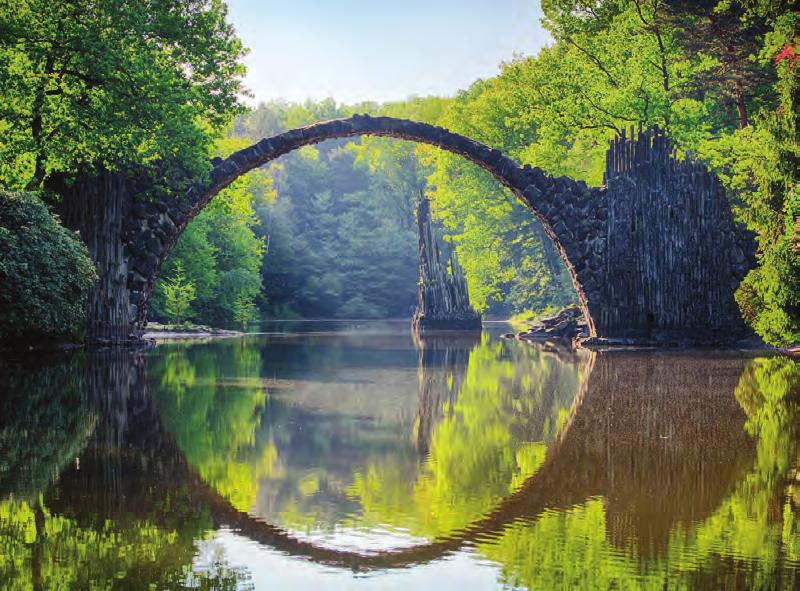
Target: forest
{"points": [[328, 231]]}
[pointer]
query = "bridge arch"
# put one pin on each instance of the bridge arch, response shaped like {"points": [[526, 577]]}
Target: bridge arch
{"points": [[547, 197], [654, 255]]}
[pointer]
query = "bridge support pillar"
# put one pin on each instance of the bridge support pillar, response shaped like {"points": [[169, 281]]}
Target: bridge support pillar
{"points": [[96, 207], [674, 255]]}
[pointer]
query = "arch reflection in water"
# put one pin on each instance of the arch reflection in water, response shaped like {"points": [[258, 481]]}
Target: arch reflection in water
{"points": [[353, 435], [368, 453]]}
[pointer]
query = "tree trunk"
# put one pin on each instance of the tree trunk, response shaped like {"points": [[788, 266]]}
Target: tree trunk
{"points": [[741, 108], [95, 207]]}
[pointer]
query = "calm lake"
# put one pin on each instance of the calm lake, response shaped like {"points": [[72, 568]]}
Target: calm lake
{"points": [[349, 455]]}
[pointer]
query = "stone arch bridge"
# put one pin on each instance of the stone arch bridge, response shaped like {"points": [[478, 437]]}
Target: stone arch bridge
{"points": [[653, 254]]}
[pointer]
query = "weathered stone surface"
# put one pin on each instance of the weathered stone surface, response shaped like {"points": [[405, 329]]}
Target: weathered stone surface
{"points": [[654, 253], [443, 298], [564, 327], [154, 245], [674, 254], [139, 210]]}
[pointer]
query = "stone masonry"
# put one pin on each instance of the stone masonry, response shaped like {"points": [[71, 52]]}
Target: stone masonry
{"points": [[653, 254]]}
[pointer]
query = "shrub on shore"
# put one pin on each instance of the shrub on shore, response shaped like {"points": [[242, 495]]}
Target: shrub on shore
{"points": [[45, 272]]}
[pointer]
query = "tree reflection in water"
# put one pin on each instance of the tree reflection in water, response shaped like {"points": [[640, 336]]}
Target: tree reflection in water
{"points": [[484, 423], [110, 514], [691, 489], [623, 471]]}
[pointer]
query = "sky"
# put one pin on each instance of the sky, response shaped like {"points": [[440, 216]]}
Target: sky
{"points": [[379, 50]]}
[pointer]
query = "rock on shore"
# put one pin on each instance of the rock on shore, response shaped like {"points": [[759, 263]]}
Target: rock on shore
{"points": [[155, 330], [563, 327]]}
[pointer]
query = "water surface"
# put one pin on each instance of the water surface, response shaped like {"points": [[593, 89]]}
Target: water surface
{"points": [[349, 455]]}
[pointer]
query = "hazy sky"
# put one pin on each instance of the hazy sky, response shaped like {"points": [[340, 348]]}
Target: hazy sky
{"points": [[380, 50]]}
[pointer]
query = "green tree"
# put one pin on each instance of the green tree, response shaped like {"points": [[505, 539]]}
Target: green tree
{"points": [[239, 249], [339, 239], [179, 295], [197, 255], [110, 84], [117, 90], [729, 95], [769, 296], [721, 77], [45, 271], [243, 310], [221, 250]]}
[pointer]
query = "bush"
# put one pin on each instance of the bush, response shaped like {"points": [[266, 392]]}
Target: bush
{"points": [[179, 295], [769, 297], [45, 272]]}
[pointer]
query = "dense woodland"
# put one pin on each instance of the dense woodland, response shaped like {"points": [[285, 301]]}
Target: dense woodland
{"points": [[328, 231]]}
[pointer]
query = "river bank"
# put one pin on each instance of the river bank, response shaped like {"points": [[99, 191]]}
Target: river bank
{"points": [[155, 330], [568, 328]]}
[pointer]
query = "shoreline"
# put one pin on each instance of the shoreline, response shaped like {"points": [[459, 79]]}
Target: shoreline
{"points": [[156, 331]]}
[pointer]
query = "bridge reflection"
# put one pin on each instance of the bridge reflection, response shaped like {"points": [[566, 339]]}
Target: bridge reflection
{"points": [[660, 445]]}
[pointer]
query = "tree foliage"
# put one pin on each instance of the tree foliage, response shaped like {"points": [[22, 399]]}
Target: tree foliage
{"points": [[729, 95], [178, 296], [340, 230], [340, 239], [325, 231], [215, 420], [221, 251], [45, 271], [756, 522], [769, 172], [112, 83], [45, 422], [244, 310]]}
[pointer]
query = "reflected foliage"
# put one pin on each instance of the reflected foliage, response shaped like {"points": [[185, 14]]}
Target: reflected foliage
{"points": [[492, 436], [491, 411], [750, 541], [211, 401], [39, 549], [619, 471], [45, 422], [83, 505]]}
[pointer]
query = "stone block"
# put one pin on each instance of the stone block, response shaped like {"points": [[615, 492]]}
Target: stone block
{"points": [[139, 210], [154, 245]]}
